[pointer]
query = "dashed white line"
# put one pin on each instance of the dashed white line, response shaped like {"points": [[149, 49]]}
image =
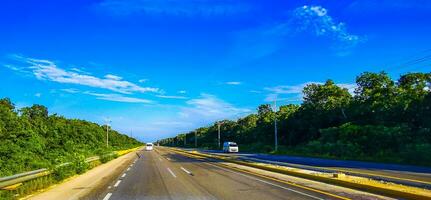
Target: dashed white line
{"points": [[124, 175], [117, 183], [107, 196], [170, 171], [185, 170], [269, 183], [168, 159], [128, 169]]}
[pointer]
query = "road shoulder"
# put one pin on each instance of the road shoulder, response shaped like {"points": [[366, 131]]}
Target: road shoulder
{"points": [[89, 182]]}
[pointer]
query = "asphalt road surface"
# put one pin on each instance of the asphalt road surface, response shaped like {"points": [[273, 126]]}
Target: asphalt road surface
{"points": [[162, 174]]}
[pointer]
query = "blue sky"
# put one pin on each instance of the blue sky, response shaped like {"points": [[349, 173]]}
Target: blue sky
{"points": [[157, 68]]}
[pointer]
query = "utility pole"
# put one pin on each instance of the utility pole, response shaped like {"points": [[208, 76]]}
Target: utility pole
{"points": [[219, 134], [275, 124], [107, 132], [196, 139]]}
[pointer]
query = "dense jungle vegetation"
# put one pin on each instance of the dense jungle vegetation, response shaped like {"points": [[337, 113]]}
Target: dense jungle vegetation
{"points": [[31, 138], [383, 120]]}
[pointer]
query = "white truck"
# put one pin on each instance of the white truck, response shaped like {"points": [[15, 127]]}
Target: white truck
{"points": [[230, 147]]}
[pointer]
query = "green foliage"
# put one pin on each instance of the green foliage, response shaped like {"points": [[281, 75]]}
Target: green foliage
{"points": [[31, 139], [385, 120]]}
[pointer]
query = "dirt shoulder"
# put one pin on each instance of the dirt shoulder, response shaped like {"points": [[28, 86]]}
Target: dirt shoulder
{"points": [[88, 183]]}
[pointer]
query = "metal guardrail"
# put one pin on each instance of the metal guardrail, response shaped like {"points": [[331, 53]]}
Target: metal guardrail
{"points": [[26, 176]]}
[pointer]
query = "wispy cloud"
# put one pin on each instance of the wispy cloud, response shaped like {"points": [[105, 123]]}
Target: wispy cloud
{"points": [[313, 20], [182, 91], [118, 98], [171, 97], [48, 70], [70, 90], [296, 91], [142, 80], [174, 7], [289, 89], [209, 107], [233, 83], [38, 95]]}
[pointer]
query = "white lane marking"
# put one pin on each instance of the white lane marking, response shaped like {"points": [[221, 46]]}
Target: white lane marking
{"points": [[185, 170], [168, 159], [170, 171], [269, 183], [128, 169], [107, 196], [124, 175], [117, 183]]}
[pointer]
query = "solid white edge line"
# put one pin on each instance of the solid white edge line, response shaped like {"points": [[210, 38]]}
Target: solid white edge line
{"points": [[117, 183], [172, 173], [124, 175], [269, 183], [185, 170], [107, 196]]}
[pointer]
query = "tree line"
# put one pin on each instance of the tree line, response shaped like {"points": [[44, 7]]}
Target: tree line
{"points": [[31, 138], [383, 120]]}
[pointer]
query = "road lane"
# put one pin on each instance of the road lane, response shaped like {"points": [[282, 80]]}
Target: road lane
{"points": [[228, 184], [404, 174], [165, 175]]}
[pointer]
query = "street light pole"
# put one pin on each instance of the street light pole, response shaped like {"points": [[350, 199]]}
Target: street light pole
{"points": [[196, 139], [219, 134], [107, 133], [275, 124]]}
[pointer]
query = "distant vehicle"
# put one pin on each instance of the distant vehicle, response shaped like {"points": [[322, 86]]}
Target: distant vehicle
{"points": [[149, 147], [230, 147]]}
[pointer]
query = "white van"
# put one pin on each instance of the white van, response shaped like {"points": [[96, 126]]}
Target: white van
{"points": [[230, 147], [149, 147]]}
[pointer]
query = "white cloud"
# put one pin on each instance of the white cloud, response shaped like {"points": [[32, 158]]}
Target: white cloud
{"points": [[255, 91], [267, 39], [209, 107], [349, 86], [118, 98], [297, 90], [171, 97], [16, 69], [113, 77], [289, 89], [182, 91], [70, 90], [272, 97], [173, 7], [48, 70], [315, 19], [38, 95], [142, 80], [233, 83]]}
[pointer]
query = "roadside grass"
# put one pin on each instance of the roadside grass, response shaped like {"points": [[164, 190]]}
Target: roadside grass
{"points": [[59, 174]]}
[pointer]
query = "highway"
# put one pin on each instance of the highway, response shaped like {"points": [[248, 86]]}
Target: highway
{"points": [[403, 174], [162, 174]]}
